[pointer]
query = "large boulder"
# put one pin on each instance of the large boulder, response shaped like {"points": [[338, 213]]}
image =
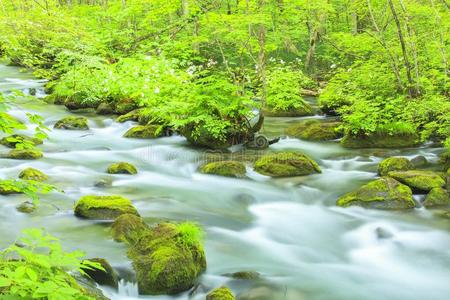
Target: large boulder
{"points": [[128, 228], [32, 174], [315, 130], [394, 164], [168, 259], [144, 132], [27, 154], [222, 293], [437, 197], [224, 168], [286, 164], [14, 139], [419, 180], [103, 207], [72, 123], [380, 140], [383, 193], [107, 276], [122, 168]]}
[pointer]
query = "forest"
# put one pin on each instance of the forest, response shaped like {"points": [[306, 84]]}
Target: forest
{"points": [[324, 124]]}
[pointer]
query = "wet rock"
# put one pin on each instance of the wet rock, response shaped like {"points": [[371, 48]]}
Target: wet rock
{"points": [[103, 207], [125, 106], [380, 140], [26, 207], [27, 154], [12, 140], [107, 276], [72, 123], [244, 275], [32, 91], [128, 228], [224, 168], [437, 197], [104, 109], [286, 164], [419, 161], [302, 111], [315, 130], [383, 233], [383, 193], [394, 164], [144, 132], [122, 168], [419, 180], [88, 287], [7, 188], [103, 183], [131, 116], [271, 292], [222, 293], [32, 174]]}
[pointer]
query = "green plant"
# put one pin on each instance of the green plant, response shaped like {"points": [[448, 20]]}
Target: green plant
{"points": [[190, 234]]}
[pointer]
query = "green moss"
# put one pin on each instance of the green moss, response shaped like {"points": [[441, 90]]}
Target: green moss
{"points": [[144, 132], [79, 101], [222, 293], [286, 164], [303, 111], [244, 275], [72, 123], [383, 193], [24, 154], [14, 139], [394, 164], [104, 109], [437, 197], [314, 130], [7, 188], [32, 174], [122, 168], [224, 168], [418, 180], [131, 116], [380, 140], [103, 207], [26, 207], [125, 106], [128, 228], [199, 136]]}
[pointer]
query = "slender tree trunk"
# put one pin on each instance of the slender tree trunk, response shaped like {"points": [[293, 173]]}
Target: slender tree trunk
{"points": [[261, 34]]}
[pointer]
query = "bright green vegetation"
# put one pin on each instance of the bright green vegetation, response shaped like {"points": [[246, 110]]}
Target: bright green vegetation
{"points": [[144, 132], [32, 174], [72, 123], [394, 164], [15, 140], [383, 193], [103, 207], [419, 180], [39, 269], [222, 293], [224, 168], [437, 197], [315, 130], [286, 164], [30, 188], [122, 168]]}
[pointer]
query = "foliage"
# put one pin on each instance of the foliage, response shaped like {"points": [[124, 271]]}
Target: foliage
{"points": [[190, 234]]}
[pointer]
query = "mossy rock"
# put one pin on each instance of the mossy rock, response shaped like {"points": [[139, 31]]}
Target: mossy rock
{"points": [[444, 160], [437, 197], [286, 164], [125, 106], [314, 130], [104, 109], [394, 164], [122, 168], [103, 207], [14, 139], [32, 174], [26, 207], [419, 180], [380, 140], [7, 188], [244, 275], [128, 228], [383, 193], [27, 154], [108, 276], [419, 161], [72, 123], [167, 260], [302, 111], [197, 135], [224, 168], [222, 293], [144, 132], [79, 101], [130, 116]]}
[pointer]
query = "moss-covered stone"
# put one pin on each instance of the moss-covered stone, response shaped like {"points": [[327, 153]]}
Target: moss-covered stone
{"points": [[383, 193], [224, 168], [380, 140], [122, 168], [32, 174], [27, 154], [14, 139], [26, 207], [131, 116], [72, 123], [128, 228], [7, 188], [107, 276], [198, 136], [104, 109], [244, 275], [286, 164], [103, 207], [167, 259], [79, 101], [302, 111], [437, 197], [315, 130], [419, 180], [144, 132], [125, 106], [419, 161], [222, 293], [394, 164]]}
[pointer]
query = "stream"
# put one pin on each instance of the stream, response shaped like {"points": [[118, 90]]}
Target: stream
{"points": [[289, 230]]}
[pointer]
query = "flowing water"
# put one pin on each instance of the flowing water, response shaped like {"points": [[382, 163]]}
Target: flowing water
{"points": [[289, 230]]}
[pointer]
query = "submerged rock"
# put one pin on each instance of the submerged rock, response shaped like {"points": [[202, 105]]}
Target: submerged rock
{"points": [[380, 140], [107, 276], [224, 168], [104, 109], [131, 116], [419, 180], [26, 207], [394, 164], [103, 207], [7, 188], [286, 164], [122, 168], [72, 123], [222, 293], [32, 174], [383, 193], [27, 154], [103, 183], [128, 228], [244, 275], [315, 130], [144, 132], [14, 139], [437, 197]]}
